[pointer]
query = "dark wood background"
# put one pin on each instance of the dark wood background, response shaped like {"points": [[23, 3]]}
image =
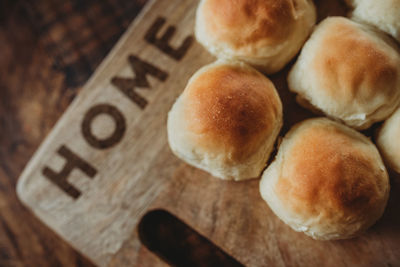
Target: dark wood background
{"points": [[48, 50]]}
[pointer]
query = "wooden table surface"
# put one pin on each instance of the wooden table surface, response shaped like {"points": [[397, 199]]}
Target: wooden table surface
{"points": [[48, 50]]}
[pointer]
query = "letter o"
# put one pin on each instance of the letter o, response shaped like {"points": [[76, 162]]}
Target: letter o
{"points": [[115, 137]]}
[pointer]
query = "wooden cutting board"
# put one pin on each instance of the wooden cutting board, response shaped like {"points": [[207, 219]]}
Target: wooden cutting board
{"points": [[106, 181]]}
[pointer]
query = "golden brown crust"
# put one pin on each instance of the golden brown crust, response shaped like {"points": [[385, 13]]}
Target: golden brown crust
{"points": [[327, 181], [231, 107], [350, 71], [329, 171], [255, 20], [266, 34], [354, 66]]}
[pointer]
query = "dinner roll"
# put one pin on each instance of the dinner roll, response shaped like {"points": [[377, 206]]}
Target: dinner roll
{"points": [[383, 14], [349, 72], [226, 121], [327, 181], [263, 33], [388, 141]]}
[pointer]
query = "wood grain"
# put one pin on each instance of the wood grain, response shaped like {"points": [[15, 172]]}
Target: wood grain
{"points": [[36, 86], [96, 213], [107, 162], [236, 219]]}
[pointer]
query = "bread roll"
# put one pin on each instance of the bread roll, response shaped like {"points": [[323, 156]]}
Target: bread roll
{"points": [[383, 14], [349, 72], [226, 121], [388, 141], [264, 33], [327, 181]]}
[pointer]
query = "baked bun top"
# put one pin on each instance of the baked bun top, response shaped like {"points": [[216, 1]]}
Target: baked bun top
{"points": [[242, 23], [383, 14], [349, 72], [226, 121], [263, 33], [231, 108], [328, 180]]}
